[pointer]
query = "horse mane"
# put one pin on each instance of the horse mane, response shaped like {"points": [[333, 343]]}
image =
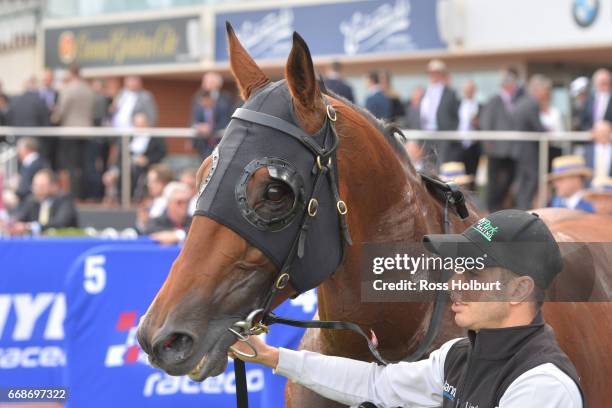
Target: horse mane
{"points": [[388, 129]]}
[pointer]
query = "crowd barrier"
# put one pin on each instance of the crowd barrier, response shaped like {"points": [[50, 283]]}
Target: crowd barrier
{"points": [[69, 309], [543, 140]]}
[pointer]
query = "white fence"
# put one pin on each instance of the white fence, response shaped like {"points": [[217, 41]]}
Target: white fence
{"points": [[543, 139]]}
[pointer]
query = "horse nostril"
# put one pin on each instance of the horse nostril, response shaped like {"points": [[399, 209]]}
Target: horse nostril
{"points": [[175, 348]]}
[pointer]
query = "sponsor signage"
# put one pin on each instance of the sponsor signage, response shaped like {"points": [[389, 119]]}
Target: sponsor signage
{"points": [[348, 28], [174, 40]]}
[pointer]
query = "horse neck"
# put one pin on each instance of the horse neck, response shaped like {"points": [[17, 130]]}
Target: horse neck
{"points": [[387, 203]]}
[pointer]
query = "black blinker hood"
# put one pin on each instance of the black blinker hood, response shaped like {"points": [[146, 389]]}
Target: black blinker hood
{"points": [[248, 145]]}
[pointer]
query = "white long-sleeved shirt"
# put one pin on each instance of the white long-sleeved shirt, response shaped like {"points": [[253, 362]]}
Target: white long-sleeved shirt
{"points": [[417, 384]]}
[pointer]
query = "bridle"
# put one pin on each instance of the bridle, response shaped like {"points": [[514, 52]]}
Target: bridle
{"points": [[259, 320]]}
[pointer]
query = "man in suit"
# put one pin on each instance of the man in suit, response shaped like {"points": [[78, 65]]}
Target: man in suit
{"points": [[526, 116], [598, 155], [334, 82], [377, 102], [27, 109], [45, 208], [133, 98], [469, 111], [502, 155], [172, 226], [598, 106], [75, 107], [211, 111], [49, 145], [31, 163], [144, 151], [440, 111]]}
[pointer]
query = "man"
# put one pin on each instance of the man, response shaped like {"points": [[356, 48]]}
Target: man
{"points": [[569, 174], [211, 111], [598, 155], [172, 226], [31, 163], [502, 155], [133, 98], [49, 95], [28, 109], [440, 110], [598, 106], [377, 102], [75, 107], [579, 93], [47, 91], [145, 151], [469, 110], [46, 208], [335, 82], [510, 358], [526, 115]]}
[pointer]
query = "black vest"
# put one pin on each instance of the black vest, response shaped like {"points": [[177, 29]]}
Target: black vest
{"points": [[480, 368]]}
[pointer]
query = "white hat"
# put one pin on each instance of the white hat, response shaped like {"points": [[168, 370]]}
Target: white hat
{"points": [[579, 85]]}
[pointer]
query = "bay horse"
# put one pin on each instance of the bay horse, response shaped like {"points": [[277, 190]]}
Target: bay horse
{"points": [[220, 274]]}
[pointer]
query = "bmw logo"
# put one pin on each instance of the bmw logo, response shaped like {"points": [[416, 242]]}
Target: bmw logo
{"points": [[585, 12]]}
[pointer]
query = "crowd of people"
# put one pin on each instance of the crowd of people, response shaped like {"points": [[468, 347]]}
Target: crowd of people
{"points": [[54, 171], [86, 170], [512, 166]]}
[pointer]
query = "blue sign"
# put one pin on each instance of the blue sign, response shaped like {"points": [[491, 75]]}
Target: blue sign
{"points": [[107, 291], [348, 28], [33, 306]]}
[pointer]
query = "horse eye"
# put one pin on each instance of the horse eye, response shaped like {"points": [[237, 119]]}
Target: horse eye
{"points": [[274, 192]]}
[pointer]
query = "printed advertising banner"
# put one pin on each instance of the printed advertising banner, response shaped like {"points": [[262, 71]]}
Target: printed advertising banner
{"points": [[108, 290], [68, 315], [33, 306], [164, 41], [358, 27]]}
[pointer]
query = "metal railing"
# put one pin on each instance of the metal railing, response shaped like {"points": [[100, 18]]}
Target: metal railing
{"points": [[91, 132], [8, 162], [543, 139]]}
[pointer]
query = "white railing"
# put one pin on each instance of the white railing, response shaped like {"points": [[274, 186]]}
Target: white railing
{"points": [[91, 132], [8, 163], [544, 140]]}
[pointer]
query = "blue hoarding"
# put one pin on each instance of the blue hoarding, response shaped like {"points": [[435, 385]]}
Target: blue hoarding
{"points": [[346, 28], [32, 307], [107, 291], [68, 315]]}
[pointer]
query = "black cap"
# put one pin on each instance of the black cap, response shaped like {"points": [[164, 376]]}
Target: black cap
{"points": [[512, 239]]}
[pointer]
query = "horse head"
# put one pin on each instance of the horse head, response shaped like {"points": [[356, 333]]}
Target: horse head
{"points": [[270, 192]]}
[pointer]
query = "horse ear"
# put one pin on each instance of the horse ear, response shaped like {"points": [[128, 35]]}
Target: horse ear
{"points": [[248, 75], [300, 75]]}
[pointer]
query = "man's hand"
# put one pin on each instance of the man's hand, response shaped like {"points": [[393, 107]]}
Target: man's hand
{"points": [[266, 355]]}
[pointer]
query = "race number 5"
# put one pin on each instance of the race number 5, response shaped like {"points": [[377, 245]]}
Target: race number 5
{"points": [[95, 274]]}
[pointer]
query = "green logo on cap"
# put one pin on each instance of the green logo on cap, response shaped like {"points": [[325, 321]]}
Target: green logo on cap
{"points": [[485, 228]]}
